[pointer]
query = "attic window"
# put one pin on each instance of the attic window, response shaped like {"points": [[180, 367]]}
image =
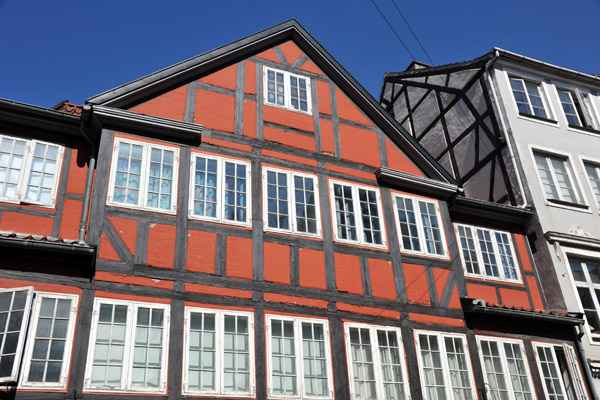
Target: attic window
{"points": [[286, 90]]}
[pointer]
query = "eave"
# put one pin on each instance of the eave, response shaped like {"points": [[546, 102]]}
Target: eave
{"points": [[416, 184], [490, 211], [39, 117]]}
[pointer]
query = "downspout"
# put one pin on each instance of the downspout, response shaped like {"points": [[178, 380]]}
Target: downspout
{"points": [[86, 113], [585, 365], [508, 143]]}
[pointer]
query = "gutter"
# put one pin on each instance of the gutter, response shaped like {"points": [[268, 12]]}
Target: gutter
{"points": [[584, 362], [85, 117]]}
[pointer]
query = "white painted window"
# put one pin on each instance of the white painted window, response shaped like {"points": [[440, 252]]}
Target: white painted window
{"points": [[560, 372], [578, 108], [487, 253], [287, 90], [593, 173], [376, 362], [357, 213], [44, 341], [220, 189], [29, 171], [529, 97], [586, 276], [298, 358], [505, 369], [419, 226], [144, 176], [219, 353], [291, 202], [445, 366], [556, 177], [128, 348]]}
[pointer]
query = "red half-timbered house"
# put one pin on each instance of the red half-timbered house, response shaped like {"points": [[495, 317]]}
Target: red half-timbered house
{"points": [[265, 229]]}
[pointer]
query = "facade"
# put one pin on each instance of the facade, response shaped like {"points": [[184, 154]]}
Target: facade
{"points": [[260, 227], [531, 130]]}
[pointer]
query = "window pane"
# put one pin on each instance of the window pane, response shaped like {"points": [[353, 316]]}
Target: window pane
{"points": [[344, 211], [548, 183], [370, 216], [408, 224], [107, 363], [12, 306], [128, 174], [235, 192], [431, 228], [283, 358], [12, 154], [43, 170], [305, 202], [469, 253], [160, 179], [487, 252], [593, 173], [506, 256], [314, 359], [277, 198]]}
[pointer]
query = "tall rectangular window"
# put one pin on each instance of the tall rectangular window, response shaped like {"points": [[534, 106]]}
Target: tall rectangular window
{"points": [[586, 276], [561, 374], [291, 202], [29, 171], [505, 369], [287, 90], [445, 366], [556, 177], [529, 98], [487, 253], [144, 176], [219, 353], [419, 225], [220, 189], [298, 358], [578, 108], [357, 214], [375, 362], [128, 347], [593, 173]]}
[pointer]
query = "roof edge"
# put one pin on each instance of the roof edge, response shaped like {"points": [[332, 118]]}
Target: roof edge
{"points": [[39, 117]]}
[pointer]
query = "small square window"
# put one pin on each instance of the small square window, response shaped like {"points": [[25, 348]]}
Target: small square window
{"points": [[144, 176], [287, 90], [29, 171], [529, 97]]}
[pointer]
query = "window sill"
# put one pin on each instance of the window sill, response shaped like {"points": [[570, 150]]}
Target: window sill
{"points": [[584, 128], [537, 118], [309, 112], [568, 204], [492, 279]]}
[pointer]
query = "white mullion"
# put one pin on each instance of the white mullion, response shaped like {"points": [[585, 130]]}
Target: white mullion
{"points": [[221, 190], [299, 347], [291, 195], [25, 171], [57, 172], [145, 169], [287, 91], [479, 251], [445, 365], [219, 352], [498, 256], [377, 366], [505, 370], [360, 230], [420, 226], [553, 175], [132, 311]]}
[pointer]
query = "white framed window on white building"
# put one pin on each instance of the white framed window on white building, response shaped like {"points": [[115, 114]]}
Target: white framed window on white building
{"points": [[560, 371], [444, 365], [39, 347], [505, 368], [419, 225], [557, 179], [357, 214], [585, 272], [144, 176], [29, 171], [287, 90], [220, 190], [376, 362], [291, 202], [218, 354], [487, 253], [298, 358], [128, 348], [592, 170], [529, 97], [578, 108]]}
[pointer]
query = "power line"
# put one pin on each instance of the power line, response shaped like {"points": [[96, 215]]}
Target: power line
{"points": [[582, 6], [393, 30], [413, 33], [560, 15]]}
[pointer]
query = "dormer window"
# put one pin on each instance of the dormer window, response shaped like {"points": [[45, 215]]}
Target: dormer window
{"points": [[287, 90]]}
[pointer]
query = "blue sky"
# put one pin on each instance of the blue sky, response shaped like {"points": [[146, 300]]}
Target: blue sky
{"points": [[50, 51]]}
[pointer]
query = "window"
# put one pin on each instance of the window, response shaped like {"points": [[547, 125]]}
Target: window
{"points": [[298, 357], [47, 353], [487, 253], [144, 176], [445, 366], [593, 173], [561, 376], [419, 225], [128, 347], [347, 201], [375, 362], [529, 98], [578, 108], [29, 171], [556, 177], [287, 90], [505, 369], [219, 353], [291, 202], [586, 275]]}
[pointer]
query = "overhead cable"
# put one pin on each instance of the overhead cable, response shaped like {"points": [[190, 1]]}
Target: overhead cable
{"points": [[393, 30], [413, 33]]}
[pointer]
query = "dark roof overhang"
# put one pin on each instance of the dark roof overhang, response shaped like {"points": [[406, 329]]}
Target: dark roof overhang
{"points": [[490, 211], [39, 117], [416, 184]]}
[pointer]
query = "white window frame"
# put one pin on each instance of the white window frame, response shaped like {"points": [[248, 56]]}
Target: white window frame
{"points": [[373, 330], [497, 255], [129, 345], [573, 366], [594, 163], [23, 330], [504, 363], [220, 214], [420, 227], [541, 92], [291, 202], [444, 361], [25, 172], [584, 109], [357, 214], [145, 168], [219, 353], [37, 302], [287, 90], [299, 355]]}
